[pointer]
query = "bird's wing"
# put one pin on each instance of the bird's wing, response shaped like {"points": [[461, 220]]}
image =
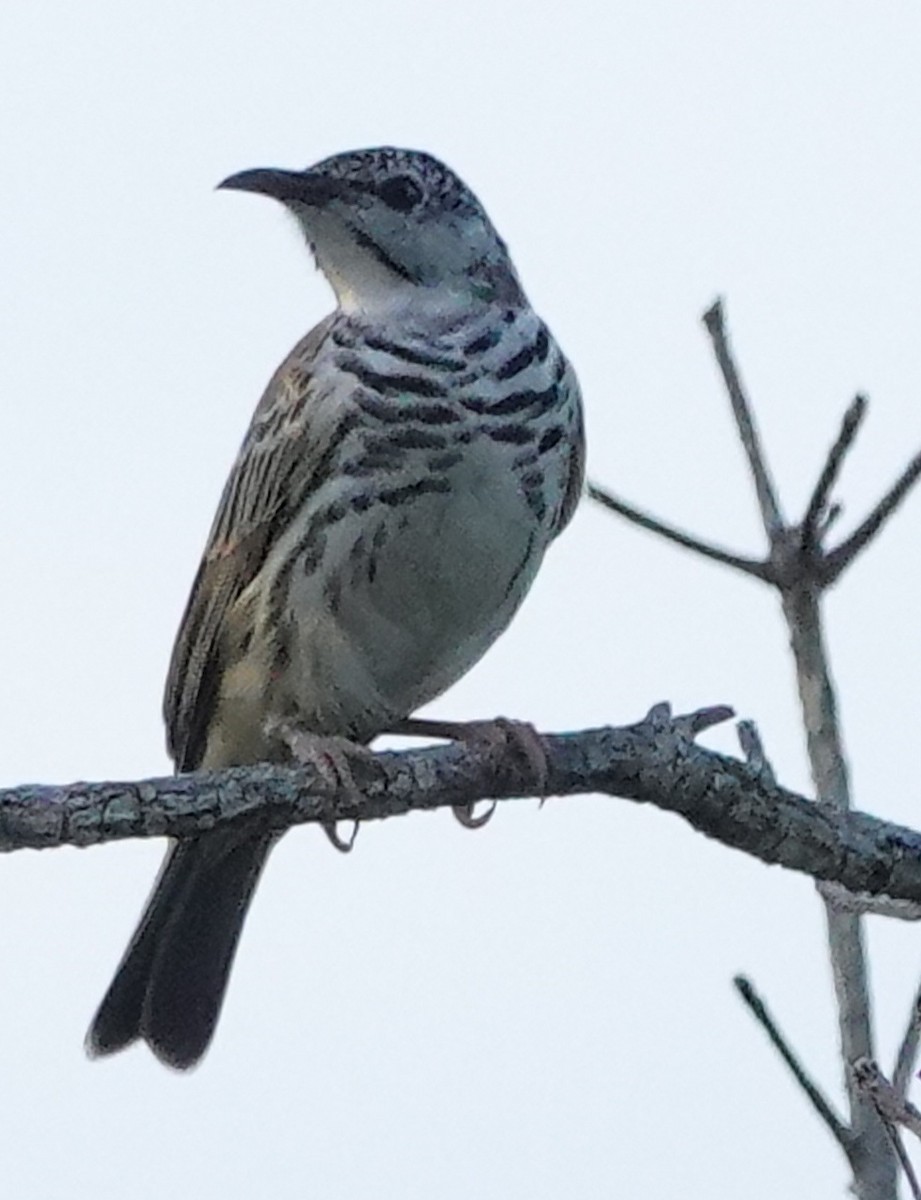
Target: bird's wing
{"points": [[265, 486]]}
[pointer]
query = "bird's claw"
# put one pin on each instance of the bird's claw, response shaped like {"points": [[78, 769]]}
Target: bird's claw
{"points": [[331, 829], [464, 814]]}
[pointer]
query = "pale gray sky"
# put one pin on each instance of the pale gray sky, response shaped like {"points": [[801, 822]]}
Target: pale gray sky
{"points": [[543, 1009]]}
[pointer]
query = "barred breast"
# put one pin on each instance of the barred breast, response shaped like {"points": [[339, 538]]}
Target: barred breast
{"points": [[411, 558]]}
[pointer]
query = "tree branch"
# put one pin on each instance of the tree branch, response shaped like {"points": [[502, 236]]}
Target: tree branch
{"points": [[801, 569], [652, 762], [872, 1160], [816, 1097], [875, 1173]]}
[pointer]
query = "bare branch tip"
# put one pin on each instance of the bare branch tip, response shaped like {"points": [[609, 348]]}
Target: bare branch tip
{"points": [[706, 718], [743, 986], [713, 317], [659, 717], [857, 409], [823, 1108], [687, 725], [753, 748]]}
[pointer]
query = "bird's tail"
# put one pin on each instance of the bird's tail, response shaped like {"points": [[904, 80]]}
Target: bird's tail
{"points": [[170, 985]]}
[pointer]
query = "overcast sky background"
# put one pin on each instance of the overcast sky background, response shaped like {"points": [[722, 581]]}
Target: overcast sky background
{"points": [[543, 1009]]}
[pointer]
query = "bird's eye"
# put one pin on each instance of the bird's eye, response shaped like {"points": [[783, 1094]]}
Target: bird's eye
{"points": [[400, 193]]}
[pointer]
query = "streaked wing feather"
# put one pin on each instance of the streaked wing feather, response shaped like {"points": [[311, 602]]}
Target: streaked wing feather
{"points": [[261, 495]]}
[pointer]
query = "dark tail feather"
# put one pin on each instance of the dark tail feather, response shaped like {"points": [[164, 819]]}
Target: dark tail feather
{"points": [[170, 985]]}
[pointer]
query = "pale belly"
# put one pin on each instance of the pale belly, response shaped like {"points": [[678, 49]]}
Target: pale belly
{"points": [[419, 594]]}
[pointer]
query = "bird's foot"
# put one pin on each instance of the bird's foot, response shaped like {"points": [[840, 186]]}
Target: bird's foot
{"points": [[331, 757], [494, 740]]}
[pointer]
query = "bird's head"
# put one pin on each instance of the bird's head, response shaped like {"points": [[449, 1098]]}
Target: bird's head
{"points": [[391, 227]]}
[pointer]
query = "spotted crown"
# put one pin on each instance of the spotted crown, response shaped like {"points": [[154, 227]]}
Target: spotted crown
{"points": [[372, 167]]}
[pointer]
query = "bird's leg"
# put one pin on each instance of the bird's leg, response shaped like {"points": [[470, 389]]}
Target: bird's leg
{"points": [[494, 739], [330, 757]]}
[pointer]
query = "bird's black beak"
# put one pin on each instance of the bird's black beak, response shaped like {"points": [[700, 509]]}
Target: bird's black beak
{"points": [[304, 187]]}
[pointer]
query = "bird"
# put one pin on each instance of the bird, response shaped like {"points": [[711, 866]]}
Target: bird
{"points": [[404, 472]]}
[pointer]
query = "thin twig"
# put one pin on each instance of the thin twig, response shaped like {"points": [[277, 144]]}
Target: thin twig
{"points": [[818, 507], [750, 566], [748, 431], [823, 1107], [838, 560], [908, 1049]]}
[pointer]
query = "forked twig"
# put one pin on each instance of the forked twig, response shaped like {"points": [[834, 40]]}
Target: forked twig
{"points": [[818, 507], [800, 568]]}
